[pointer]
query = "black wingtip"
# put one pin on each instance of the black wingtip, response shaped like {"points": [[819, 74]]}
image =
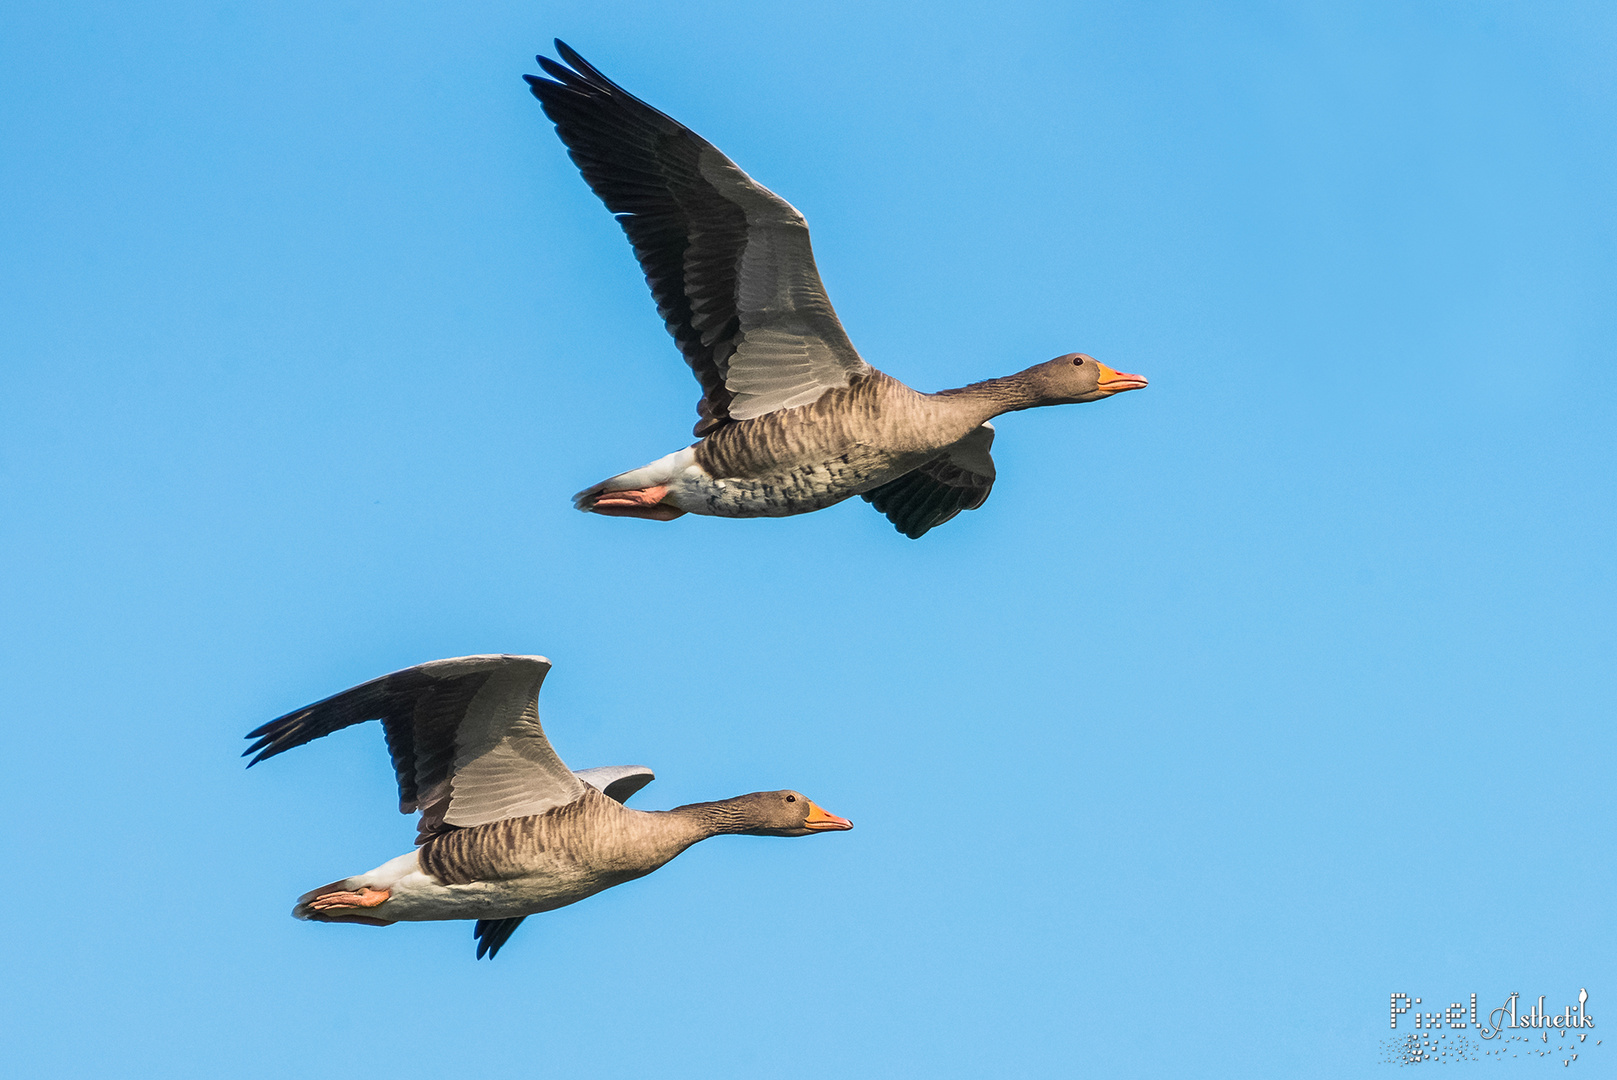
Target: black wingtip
{"points": [[584, 69], [491, 934], [569, 54], [561, 74], [262, 729], [259, 742]]}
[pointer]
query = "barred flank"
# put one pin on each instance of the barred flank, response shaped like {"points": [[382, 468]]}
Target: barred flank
{"points": [[482, 853], [509, 848]]}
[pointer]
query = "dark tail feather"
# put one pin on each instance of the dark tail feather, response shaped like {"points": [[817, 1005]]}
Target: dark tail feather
{"points": [[492, 933]]}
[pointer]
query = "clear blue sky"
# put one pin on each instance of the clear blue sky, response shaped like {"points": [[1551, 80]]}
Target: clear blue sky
{"points": [[1246, 700]]}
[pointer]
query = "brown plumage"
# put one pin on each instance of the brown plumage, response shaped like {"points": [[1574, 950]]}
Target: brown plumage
{"points": [[791, 418], [506, 829]]}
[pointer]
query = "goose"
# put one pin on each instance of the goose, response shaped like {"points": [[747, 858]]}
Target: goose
{"points": [[791, 418], [506, 830]]}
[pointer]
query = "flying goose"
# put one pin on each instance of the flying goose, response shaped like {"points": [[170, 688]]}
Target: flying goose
{"points": [[506, 829], [791, 418]]}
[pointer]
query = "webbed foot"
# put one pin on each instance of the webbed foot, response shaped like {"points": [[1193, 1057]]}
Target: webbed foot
{"points": [[638, 502], [366, 897]]}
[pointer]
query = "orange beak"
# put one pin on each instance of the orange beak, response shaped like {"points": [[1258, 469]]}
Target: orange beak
{"points": [[1115, 382], [822, 821]]}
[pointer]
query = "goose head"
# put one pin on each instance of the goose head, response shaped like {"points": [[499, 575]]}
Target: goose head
{"points": [[1079, 377], [781, 813]]}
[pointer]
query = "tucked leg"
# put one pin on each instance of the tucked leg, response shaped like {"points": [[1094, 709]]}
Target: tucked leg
{"points": [[366, 897], [639, 502]]}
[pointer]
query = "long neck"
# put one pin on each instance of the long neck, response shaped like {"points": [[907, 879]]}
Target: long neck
{"points": [[705, 819], [670, 832], [982, 401]]}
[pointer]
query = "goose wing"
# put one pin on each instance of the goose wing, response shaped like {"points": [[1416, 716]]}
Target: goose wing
{"points": [[728, 260], [614, 781], [464, 733], [958, 479], [492, 933], [617, 781]]}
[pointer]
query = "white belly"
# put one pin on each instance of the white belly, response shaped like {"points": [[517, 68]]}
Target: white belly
{"points": [[416, 897], [797, 490]]}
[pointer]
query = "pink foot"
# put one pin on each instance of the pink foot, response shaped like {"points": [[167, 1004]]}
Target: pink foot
{"points": [[366, 897], [640, 503]]}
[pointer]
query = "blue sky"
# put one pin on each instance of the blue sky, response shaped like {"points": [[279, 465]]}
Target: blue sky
{"points": [[1246, 701]]}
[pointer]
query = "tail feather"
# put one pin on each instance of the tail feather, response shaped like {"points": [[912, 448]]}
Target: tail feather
{"points": [[663, 471], [585, 500]]}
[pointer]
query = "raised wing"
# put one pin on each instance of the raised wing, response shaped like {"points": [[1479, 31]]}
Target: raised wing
{"points": [[617, 781], [728, 260], [464, 733], [958, 479]]}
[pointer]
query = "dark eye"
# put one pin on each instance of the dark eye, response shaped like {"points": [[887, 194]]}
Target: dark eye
{"points": [[791, 798], [1077, 363]]}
